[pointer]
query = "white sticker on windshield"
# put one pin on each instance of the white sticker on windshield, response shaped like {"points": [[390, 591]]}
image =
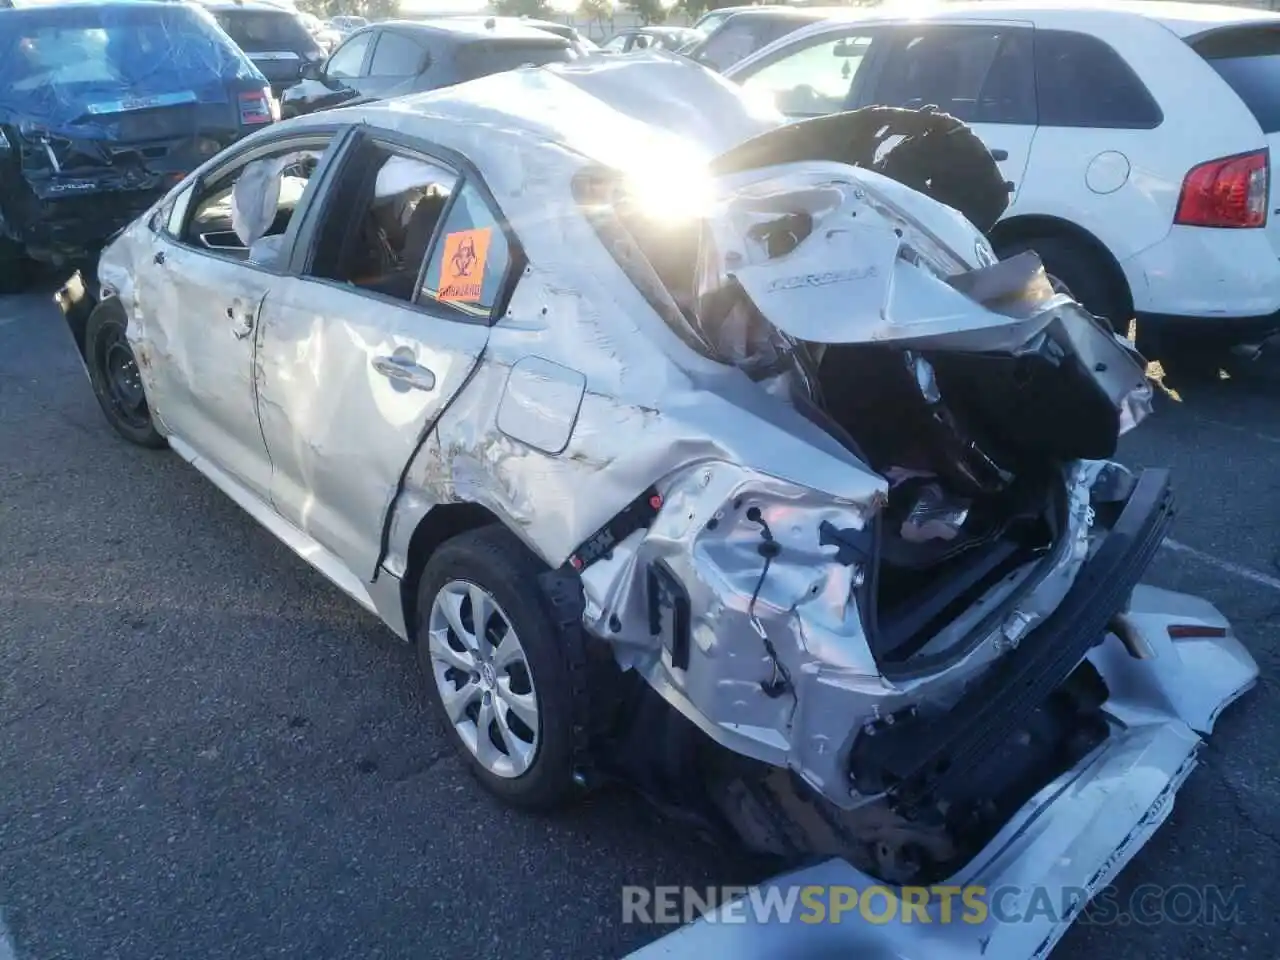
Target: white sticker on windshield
{"points": [[274, 55], [141, 103]]}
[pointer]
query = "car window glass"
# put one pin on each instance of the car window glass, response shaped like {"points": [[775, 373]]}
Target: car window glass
{"points": [[616, 44], [943, 66], [260, 31], [396, 56], [1008, 94], [1248, 59], [348, 58], [252, 202], [477, 60], [470, 259], [812, 81], [379, 225], [728, 45], [1083, 82]]}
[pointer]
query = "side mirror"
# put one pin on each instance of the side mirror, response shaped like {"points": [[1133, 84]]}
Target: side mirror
{"points": [[312, 70]]}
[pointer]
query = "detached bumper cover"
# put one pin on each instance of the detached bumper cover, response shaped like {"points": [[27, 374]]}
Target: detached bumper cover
{"points": [[1069, 841]]}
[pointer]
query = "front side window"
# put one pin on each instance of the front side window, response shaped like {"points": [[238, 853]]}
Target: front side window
{"points": [[245, 212], [471, 258], [813, 81], [945, 67], [616, 44], [1082, 82], [396, 56], [347, 60]]}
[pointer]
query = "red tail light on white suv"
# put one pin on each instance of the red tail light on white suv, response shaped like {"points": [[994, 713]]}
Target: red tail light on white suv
{"points": [[1227, 192]]}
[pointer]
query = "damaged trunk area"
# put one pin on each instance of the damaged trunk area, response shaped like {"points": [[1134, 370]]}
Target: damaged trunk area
{"points": [[968, 388], [980, 397]]}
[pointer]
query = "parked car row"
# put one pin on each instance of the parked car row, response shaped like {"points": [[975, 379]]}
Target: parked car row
{"points": [[1134, 139]]}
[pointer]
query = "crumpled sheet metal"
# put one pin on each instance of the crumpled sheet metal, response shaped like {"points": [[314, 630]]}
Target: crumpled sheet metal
{"points": [[1076, 834], [124, 59], [705, 537]]}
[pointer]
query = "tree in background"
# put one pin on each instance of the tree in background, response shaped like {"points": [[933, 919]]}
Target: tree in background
{"points": [[649, 11], [523, 8], [369, 9], [598, 12]]}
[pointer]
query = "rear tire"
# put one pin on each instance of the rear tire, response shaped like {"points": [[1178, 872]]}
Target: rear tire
{"points": [[117, 383], [510, 691], [1079, 272]]}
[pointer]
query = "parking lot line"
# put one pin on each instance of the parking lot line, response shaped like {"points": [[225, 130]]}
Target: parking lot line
{"points": [[1226, 566]]}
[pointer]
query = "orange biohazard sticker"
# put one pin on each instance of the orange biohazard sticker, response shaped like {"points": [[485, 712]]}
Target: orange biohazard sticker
{"points": [[462, 270]]}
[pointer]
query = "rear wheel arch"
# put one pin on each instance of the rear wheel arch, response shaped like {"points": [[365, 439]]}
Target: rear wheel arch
{"points": [[1017, 233], [439, 525]]}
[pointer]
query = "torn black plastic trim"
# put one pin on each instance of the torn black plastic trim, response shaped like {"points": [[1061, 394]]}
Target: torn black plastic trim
{"points": [[637, 515]]}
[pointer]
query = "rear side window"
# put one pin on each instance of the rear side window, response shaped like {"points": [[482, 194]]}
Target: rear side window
{"points": [[976, 74], [1249, 60], [348, 58], [1082, 82], [481, 59], [470, 259], [265, 32], [396, 56]]}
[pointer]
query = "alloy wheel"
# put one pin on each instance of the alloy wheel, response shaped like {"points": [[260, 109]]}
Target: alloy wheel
{"points": [[482, 674]]}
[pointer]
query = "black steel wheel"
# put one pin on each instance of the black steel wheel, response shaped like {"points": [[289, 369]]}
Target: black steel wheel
{"points": [[117, 382]]}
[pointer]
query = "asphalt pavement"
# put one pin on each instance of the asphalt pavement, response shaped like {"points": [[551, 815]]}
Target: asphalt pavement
{"points": [[207, 751]]}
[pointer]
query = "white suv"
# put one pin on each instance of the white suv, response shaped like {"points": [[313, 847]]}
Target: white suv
{"points": [[1135, 139]]}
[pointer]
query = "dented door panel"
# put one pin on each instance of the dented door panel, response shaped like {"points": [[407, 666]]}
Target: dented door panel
{"points": [[349, 385], [198, 341]]}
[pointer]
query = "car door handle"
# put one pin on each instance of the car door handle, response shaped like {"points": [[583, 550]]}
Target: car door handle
{"points": [[402, 369], [998, 155]]}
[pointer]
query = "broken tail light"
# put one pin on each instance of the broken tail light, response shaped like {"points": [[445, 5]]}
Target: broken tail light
{"points": [[1227, 192], [258, 106]]}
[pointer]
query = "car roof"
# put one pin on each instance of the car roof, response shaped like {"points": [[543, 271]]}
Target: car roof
{"points": [[535, 22], [1182, 17], [257, 6], [739, 14], [467, 29], [615, 111]]}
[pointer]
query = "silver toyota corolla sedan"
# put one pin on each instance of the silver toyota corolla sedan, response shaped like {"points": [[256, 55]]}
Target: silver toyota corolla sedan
{"points": [[690, 453]]}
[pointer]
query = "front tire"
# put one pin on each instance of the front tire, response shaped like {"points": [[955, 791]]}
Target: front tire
{"points": [[505, 679], [117, 383]]}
